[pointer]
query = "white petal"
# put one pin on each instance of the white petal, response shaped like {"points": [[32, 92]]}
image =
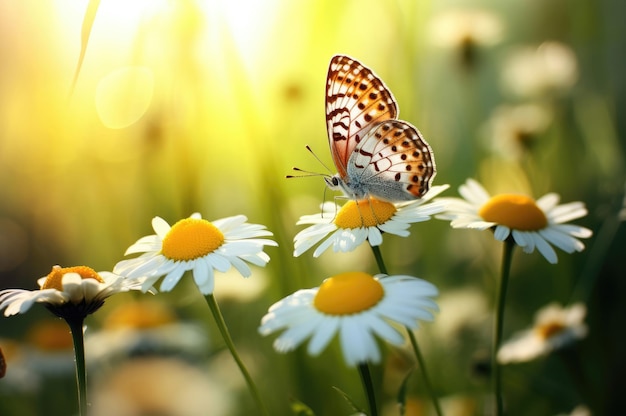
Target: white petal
{"points": [[326, 330], [172, 279], [545, 249], [160, 227], [547, 202], [501, 232], [374, 236]]}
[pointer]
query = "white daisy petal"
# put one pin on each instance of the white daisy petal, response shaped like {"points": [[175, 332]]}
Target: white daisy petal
{"points": [[160, 227], [374, 236], [240, 244], [564, 241], [300, 319], [501, 232], [545, 249], [466, 213], [72, 292], [326, 330], [172, 279]]}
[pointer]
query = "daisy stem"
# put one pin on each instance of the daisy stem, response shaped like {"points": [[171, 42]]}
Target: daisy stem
{"points": [[422, 364], [507, 256], [221, 324], [368, 386], [416, 349], [76, 329], [379, 259]]}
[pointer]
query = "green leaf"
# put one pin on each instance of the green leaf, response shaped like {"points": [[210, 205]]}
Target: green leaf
{"points": [[401, 398], [349, 400]]}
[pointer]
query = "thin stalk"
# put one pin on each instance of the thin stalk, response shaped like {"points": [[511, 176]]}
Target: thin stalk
{"points": [[368, 386], [379, 259], [221, 324], [422, 364], [76, 328], [507, 256], [418, 354]]}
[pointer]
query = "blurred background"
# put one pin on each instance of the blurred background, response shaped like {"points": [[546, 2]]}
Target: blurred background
{"points": [[204, 106]]}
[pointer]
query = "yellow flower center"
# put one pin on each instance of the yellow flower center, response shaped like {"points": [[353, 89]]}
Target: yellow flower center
{"points": [[517, 212], [549, 329], [364, 213], [190, 239], [348, 293], [54, 280]]}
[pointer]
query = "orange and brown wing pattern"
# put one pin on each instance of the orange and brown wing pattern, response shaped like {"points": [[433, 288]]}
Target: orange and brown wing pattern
{"points": [[356, 101]]}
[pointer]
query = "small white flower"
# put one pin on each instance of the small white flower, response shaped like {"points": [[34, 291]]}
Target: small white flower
{"points": [[512, 131], [347, 227], [532, 224], [72, 290], [535, 71], [355, 306], [459, 27], [555, 327], [198, 245]]}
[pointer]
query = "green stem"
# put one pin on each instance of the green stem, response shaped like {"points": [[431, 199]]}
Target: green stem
{"points": [[368, 386], [416, 349], [507, 256], [422, 364], [76, 328], [379, 259], [221, 324]]}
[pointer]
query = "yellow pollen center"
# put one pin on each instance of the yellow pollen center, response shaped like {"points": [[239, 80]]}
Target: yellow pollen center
{"points": [[348, 293], [517, 212], [190, 239], [54, 280], [364, 213], [549, 329]]}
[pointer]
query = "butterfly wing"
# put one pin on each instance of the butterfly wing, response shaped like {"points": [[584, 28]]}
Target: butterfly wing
{"points": [[356, 100], [393, 162]]}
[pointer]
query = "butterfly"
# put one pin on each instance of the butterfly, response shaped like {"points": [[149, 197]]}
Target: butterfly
{"points": [[376, 155]]}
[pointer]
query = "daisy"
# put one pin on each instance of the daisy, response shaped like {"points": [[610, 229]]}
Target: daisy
{"points": [[355, 306], [532, 224], [198, 245], [70, 293], [531, 71], [347, 227], [67, 292], [513, 130], [465, 30], [555, 327]]}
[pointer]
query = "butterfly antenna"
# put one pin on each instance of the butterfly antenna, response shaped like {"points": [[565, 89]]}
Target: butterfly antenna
{"points": [[318, 159], [307, 173]]}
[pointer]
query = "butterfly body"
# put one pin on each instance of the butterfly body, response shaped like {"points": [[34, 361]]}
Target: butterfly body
{"points": [[375, 153]]}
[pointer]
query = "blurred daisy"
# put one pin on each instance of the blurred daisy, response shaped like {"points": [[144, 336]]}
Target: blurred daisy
{"points": [[347, 227], [198, 245], [513, 130], [160, 386], [534, 71], [555, 327], [355, 306], [143, 327], [67, 292], [531, 224], [465, 30]]}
